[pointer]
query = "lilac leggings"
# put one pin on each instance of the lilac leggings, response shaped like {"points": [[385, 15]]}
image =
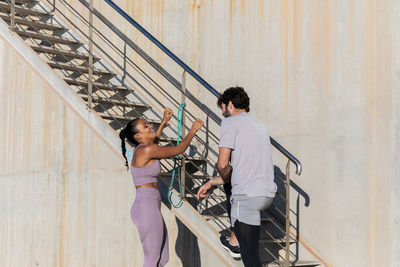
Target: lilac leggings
{"points": [[146, 215]]}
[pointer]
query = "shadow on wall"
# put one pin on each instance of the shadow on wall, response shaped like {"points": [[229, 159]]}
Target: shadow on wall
{"points": [[187, 247], [276, 212], [186, 244]]}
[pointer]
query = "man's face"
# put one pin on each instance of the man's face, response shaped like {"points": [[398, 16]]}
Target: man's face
{"points": [[225, 112]]}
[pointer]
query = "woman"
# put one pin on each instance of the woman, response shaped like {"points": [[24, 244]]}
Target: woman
{"points": [[145, 169]]}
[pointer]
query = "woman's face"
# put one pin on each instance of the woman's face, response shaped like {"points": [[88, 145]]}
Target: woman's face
{"points": [[145, 131]]}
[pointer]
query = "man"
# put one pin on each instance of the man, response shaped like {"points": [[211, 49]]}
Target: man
{"points": [[245, 160]]}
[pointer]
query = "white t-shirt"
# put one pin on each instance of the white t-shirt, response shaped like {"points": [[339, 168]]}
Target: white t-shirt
{"points": [[251, 157]]}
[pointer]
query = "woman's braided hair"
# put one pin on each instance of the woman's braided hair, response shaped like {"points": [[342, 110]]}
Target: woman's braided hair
{"points": [[128, 132]]}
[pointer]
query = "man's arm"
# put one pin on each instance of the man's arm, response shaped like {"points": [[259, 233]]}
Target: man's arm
{"points": [[207, 186], [224, 168]]}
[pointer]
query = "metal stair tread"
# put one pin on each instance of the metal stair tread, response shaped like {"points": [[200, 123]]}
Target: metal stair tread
{"points": [[168, 139], [276, 240], [168, 175], [104, 100], [297, 263], [22, 10], [97, 85], [62, 52], [125, 119], [79, 68], [214, 217], [46, 37], [36, 24], [21, 2], [195, 160]]}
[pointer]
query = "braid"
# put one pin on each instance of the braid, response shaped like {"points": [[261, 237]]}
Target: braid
{"points": [[128, 132], [123, 146]]}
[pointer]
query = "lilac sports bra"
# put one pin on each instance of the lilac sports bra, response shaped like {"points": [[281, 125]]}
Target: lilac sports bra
{"points": [[146, 174]]}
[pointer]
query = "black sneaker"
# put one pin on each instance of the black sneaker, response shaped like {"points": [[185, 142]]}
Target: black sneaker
{"points": [[233, 250]]}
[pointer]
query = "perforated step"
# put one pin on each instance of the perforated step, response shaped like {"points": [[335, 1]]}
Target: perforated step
{"points": [[21, 2], [97, 85], [124, 119], [78, 69], [47, 38], [303, 263], [19, 10], [63, 53], [36, 24], [121, 103]]}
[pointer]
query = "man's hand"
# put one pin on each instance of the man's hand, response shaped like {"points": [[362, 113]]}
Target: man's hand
{"points": [[202, 193], [167, 114], [207, 186]]}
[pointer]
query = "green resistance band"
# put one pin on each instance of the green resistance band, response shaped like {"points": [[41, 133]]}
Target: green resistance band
{"points": [[180, 114]]}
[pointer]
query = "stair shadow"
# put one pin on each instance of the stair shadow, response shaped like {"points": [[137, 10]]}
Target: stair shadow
{"points": [[128, 42]]}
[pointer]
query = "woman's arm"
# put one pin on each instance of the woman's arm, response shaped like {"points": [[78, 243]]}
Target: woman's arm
{"points": [[167, 116], [158, 152]]}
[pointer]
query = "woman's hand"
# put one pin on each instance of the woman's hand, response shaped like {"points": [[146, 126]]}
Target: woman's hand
{"points": [[197, 124], [167, 115]]}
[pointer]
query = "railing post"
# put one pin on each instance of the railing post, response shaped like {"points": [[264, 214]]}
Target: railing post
{"points": [[12, 24], [287, 215], [54, 6], [183, 133], [90, 84]]}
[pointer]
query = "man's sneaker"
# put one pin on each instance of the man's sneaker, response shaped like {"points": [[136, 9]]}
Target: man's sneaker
{"points": [[233, 250]]}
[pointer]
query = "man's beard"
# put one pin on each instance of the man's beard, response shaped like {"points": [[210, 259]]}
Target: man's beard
{"points": [[226, 113]]}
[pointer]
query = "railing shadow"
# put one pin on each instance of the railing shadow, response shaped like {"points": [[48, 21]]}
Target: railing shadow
{"points": [[274, 217]]}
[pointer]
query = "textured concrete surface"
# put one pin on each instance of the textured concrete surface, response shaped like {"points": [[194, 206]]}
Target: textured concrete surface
{"points": [[324, 76], [65, 193]]}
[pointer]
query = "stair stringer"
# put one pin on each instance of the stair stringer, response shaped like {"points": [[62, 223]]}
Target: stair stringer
{"points": [[189, 216]]}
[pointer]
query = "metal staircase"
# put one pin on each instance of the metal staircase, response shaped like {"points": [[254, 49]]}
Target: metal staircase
{"points": [[114, 86]]}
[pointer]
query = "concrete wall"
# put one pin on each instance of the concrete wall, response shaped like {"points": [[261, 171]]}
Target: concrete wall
{"points": [[325, 78], [64, 191]]}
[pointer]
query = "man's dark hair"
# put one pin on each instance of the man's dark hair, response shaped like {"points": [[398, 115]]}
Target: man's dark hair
{"points": [[237, 95]]}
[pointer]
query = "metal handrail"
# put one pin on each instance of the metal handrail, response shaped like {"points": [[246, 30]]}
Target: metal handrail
{"points": [[196, 76], [292, 158]]}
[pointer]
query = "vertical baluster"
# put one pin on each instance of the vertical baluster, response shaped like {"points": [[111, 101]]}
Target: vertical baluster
{"points": [[90, 84], [183, 133], [12, 15], [287, 217]]}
